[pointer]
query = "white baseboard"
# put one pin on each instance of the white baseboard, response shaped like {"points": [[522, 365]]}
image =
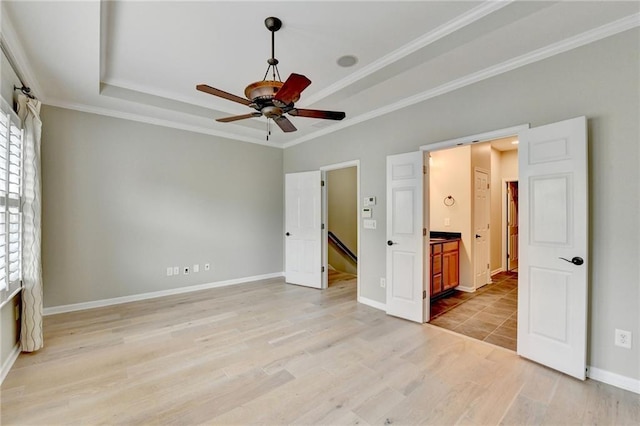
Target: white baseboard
{"points": [[613, 379], [496, 271], [372, 303], [144, 296], [8, 363], [466, 289]]}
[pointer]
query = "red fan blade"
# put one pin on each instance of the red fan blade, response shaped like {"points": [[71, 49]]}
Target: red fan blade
{"points": [[291, 89], [316, 113], [238, 117], [284, 124], [222, 94]]}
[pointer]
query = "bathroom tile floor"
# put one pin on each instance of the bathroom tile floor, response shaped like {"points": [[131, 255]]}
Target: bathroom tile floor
{"points": [[489, 314]]}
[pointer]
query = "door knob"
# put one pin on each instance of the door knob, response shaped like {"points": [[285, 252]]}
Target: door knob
{"points": [[478, 236], [576, 260], [287, 234], [390, 243]]}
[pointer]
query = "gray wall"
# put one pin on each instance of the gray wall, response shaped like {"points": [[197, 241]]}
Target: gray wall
{"points": [[600, 81], [122, 201]]}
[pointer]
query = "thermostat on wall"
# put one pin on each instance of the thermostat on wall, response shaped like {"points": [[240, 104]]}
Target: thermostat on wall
{"points": [[366, 212], [369, 201]]}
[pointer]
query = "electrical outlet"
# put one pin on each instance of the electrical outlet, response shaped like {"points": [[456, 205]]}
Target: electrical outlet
{"points": [[207, 266], [383, 282], [169, 271], [196, 268], [623, 338], [186, 270], [176, 270]]}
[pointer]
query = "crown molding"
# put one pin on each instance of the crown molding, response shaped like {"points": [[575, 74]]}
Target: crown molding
{"points": [[475, 14], [158, 122], [11, 44], [604, 31]]}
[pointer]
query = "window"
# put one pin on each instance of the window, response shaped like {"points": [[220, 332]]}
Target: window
{"points": [[10, 205]]}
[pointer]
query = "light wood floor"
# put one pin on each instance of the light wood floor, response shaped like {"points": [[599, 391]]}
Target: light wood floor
{"points": [[272, 353]]}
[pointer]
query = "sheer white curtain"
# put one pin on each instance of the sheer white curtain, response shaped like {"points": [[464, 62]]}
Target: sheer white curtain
{"points": [[31, 337]]}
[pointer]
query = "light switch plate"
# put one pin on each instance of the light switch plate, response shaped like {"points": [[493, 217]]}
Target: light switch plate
{"points": [[369, 224]]}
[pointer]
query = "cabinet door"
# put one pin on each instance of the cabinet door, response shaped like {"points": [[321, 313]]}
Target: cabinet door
{"points": [[450, 271]]}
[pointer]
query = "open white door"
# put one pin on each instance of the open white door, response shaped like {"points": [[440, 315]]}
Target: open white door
{"points": [[405, 183], [552, 279], [512, 225], [481, 218], [303, 230]]}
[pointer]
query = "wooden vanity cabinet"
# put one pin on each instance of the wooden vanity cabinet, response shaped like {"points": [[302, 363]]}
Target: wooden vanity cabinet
{"points": [[445, 266]]}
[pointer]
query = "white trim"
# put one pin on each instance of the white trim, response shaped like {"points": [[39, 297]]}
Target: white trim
{"points": [[459, 22], [562, 46], [377, 305], [11, 43], [496, 271], [604, 31], [614, 379], [480, 137], [466, 289], [152, 295], [158, 122], [8, 363]]}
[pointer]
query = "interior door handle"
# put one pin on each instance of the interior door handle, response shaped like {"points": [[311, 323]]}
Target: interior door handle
{"points": [[576, 260], [478, 236], [390, 243], [287, 234]]}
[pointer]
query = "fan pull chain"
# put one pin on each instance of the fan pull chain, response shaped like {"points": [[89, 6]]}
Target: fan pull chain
{"points": [[268, 128]]}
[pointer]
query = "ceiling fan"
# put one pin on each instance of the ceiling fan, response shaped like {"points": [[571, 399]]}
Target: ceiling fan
{"points": [[273, 98]]}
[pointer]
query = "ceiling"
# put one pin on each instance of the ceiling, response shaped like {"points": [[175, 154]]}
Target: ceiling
{"points": [[142, 60]]}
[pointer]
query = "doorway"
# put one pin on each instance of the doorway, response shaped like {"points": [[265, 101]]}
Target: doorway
{"points": [[484, 303], [340, 221]]}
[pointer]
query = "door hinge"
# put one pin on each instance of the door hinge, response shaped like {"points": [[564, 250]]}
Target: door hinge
{"points": [[322, 226], [424, 294], [488, 225], [487, 186], [424, 232], [321, 183], [323, 269], [424, 170], [487, 266]]}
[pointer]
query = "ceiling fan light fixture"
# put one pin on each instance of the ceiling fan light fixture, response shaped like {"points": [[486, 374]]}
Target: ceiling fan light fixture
{"points": [[347, 61], [273, 98]]}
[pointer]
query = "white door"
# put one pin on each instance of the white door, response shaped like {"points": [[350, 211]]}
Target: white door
{"points": [[481, 227], [552, 278], [303, 230], [405, 183], [512, 225]]}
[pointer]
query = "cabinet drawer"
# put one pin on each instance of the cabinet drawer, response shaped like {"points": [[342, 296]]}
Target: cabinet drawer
{"points": [[436, 248], [450, 246], [436, 284], [436, 264]]}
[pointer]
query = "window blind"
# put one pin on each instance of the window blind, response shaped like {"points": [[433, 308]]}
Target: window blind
{"points": [[10, 206]]}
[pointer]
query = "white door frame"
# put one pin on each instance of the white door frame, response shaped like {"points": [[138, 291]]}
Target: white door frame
{"points": [[325, 220], [504, 264], [452, 143]]}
